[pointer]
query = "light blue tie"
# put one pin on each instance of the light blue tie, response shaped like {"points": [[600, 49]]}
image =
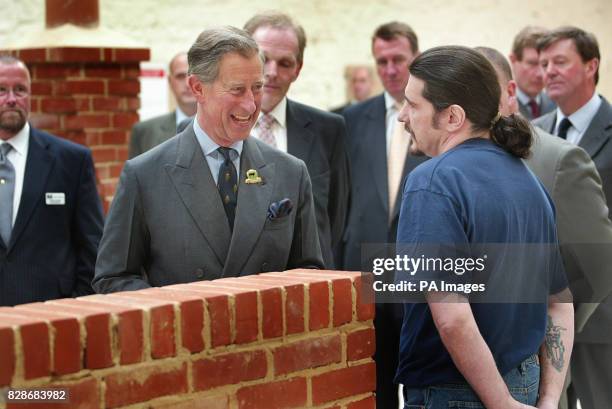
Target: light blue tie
{"points": [[7, 188]]}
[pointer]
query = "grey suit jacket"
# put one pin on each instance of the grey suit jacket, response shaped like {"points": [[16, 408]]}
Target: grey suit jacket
{"points": [[167, 224], [584, 230], [150, 133], [546, 105], [368, 220], [319, 139]]}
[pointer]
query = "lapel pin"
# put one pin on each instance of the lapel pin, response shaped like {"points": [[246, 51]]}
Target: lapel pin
{"points": [[252, 177]]}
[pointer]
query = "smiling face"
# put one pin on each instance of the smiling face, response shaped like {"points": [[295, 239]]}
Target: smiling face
{"points": [[280, 48], [420, 119], [228, 107], [570, 82], [393, 58], [14, 99]]}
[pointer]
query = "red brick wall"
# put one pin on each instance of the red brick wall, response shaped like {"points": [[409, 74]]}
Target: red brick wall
{"points": [[90, 96], [295, 339]]}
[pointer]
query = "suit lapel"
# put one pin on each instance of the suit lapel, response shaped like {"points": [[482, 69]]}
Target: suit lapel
{"points": [[38, 167], [195, 185], [299, 136], [599, 130], [252, 209], [168, 127], [375, 142]]}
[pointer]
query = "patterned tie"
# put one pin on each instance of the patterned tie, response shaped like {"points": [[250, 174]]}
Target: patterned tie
{"points": [[7, 188], [395, 159], [266, 134], [563, 128], [535, 108], [227, 183]]}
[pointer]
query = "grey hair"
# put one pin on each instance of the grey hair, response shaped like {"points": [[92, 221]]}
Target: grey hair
{"points": [[212, 44], [7, 59]]}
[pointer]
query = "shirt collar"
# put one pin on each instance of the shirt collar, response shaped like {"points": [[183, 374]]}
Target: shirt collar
{"points": [[208, 145], [20, 140], [180, 115], [279, 113], [389, 101], [524, 98], [583, 116]]}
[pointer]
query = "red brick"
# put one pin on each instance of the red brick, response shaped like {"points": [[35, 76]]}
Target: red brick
{"points": [[229, 369], [115, 170], [318, 305], [76, 137], [132, 104], [272, 310], [33, 55], [290, 393], [192, 314], [83, 104], [113, 138], [197, 402], [63, 71], [74, 54], [35, 104], [103, 154], [294, 301], [41, 88], [45, 121], [360, 344], [145, 383], [74, 87], [309, 353], [367, 403], [35, 343], [365, 306], [125, 120], [103, 70], [108, 188], [124, 87], [130, 338], [7, 357], [122, 153], [107, 103], [82, 394], [67, 351], [161, 313], [93, 138], [343, 301], [131, 54], [58, 105], [83, 121], [98, 344], [344, 382]]}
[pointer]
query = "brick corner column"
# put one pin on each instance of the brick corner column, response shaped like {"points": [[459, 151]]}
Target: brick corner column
{"points": [[89, 95]]}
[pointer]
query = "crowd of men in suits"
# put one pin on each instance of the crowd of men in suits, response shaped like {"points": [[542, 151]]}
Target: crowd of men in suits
{"points": [[258, 182]]}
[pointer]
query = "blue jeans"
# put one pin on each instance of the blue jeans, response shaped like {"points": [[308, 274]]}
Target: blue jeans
{"points": [[523, 383]]}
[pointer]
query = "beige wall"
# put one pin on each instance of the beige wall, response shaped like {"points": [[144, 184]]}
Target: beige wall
{"points": [[338, 30]]}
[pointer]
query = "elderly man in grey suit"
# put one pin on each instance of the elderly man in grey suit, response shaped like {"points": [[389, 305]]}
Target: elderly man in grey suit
{"points": [[570, 58], [211, 202], [532, 100], [152, 132]]}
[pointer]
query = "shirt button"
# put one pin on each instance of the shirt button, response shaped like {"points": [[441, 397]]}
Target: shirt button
{"points": [[199, 273], [264, 267]]}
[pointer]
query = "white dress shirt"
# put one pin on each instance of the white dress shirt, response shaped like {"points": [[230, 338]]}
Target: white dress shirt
{"points": [[390, 118], [581, 119], [17, 156], [279, 129], [524, 98], [180, 116]]}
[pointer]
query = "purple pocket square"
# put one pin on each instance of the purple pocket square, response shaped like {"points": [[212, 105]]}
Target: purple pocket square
{"points": [[280, 209]]}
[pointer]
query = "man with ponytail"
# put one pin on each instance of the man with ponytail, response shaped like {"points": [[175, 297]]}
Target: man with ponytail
{"points": [[477, 193]]}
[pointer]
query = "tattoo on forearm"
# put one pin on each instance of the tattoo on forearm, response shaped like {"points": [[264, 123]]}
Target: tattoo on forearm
{"points": [[555, 350]]}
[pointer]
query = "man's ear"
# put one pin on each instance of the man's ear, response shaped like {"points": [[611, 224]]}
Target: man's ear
{"points": [[512, 58], [299, 68], [196, 87], [592, 66], [455, 118]]}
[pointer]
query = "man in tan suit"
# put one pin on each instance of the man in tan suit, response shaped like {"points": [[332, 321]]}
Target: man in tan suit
{"points": [[584, 230]]}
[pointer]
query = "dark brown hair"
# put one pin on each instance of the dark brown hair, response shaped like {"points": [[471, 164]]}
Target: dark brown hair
{"points": [[455, 75], [527, 38], [393, 29], [276, 19]]}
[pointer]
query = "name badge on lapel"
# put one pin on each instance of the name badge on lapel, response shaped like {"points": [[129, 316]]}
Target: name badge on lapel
{"points": [[55, 199]]}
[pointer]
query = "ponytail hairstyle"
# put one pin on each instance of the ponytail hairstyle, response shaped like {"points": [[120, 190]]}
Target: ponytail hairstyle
{"points": [[456, 75]]}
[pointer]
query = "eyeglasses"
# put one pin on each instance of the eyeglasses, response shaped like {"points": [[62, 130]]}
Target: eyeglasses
{"points": [[19, 91]]}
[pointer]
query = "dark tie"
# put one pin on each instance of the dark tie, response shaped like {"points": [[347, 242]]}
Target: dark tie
{"points": [[228, 185], [7, 188], [563, 127], [535, 108]]}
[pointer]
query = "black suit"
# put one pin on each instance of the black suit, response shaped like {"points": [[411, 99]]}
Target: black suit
{"points": [[319, 139], [368, 222], [53, 248]]}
